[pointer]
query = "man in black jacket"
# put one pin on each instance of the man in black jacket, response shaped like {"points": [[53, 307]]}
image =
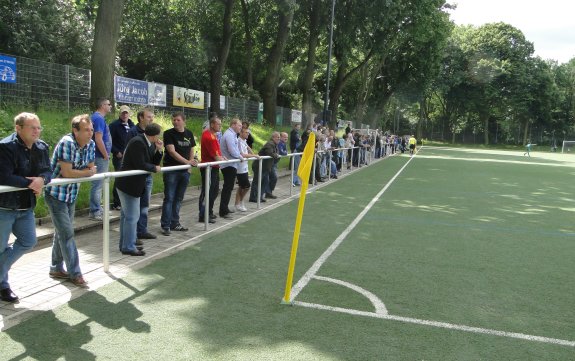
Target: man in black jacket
{"points": [[143, 152], [269, 149], [119, 129], [24, 163]]}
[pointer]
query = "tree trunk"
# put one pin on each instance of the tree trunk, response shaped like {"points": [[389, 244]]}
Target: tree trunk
{"points": [[336, 93], [419, 129], [526, 132], [485, 119], [307, 82], [249, 46], [106, 35], [223, 52], [270, 88]]}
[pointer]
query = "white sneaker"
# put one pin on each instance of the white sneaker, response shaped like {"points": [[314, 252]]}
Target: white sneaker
{"points": [[239, 208]]}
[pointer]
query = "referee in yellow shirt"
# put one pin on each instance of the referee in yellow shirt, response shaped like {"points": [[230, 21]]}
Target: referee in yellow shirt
{"points": [[412, 142]]}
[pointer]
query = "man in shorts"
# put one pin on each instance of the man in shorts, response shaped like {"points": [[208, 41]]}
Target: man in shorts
{"points": [[242, 173]]}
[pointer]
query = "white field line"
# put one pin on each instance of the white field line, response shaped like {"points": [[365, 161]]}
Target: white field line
{"points": [[328, 252], [380, 309], [378, 304], [450, 326], [569, 165]]}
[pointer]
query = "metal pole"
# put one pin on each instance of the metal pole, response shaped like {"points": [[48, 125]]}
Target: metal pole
{"points": [[292, 161], [67, 67], [259, 182], [106, 226], [326, 102], [328, 165], [207, 197], [313, 169]]}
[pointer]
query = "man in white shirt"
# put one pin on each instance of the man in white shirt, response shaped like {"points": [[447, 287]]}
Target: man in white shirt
{"points": [[230, 150]]}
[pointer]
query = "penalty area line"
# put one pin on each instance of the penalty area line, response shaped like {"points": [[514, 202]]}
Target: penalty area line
{"points": [[328, 252], [445, 325]]}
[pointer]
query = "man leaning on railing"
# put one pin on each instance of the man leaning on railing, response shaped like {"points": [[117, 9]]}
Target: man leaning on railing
{"points": [[24, 163]]}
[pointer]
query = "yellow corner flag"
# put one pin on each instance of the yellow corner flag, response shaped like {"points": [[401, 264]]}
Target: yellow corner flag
{"points": [[303, 173]]}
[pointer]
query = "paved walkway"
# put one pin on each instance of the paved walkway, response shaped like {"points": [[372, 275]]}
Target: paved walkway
{"points": [[38, 292]]}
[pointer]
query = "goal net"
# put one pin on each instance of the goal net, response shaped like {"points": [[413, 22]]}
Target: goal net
{"points": [[568, 146]]}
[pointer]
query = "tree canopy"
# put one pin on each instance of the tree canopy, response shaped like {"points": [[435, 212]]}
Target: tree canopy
{"points": [[402, 66]]}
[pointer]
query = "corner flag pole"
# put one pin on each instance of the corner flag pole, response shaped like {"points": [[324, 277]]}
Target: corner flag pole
{"points": [[303, 173]]}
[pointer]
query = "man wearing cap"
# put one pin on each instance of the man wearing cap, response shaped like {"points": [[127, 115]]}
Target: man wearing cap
{"points": [[143, 152], [119, 129]]}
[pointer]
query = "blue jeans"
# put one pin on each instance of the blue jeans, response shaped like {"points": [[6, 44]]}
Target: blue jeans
{"points": [[273, 179], [63, 245], [117, 163], [254, 188], [144, 206], [96, 191], [21, 223], [175, 184], [296, 161], [128, 221]]}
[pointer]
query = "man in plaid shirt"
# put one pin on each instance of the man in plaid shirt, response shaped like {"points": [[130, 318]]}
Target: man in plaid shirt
{"points": [[73, 158]]}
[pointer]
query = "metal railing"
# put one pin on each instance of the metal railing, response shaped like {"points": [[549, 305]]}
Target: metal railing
{"points": [[107, 176]]}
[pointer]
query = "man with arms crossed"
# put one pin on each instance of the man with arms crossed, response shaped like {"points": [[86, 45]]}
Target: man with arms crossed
{"points": [[119, 129]]}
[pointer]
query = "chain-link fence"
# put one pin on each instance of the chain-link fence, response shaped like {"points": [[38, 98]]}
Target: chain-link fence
{"points": [[40, 83]]}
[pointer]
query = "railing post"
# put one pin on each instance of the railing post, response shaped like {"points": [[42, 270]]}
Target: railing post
{"points": [[106, 226], [67, 68], [313, 168], [292, 162], [259, 182], [207, 197], [328, 164]]}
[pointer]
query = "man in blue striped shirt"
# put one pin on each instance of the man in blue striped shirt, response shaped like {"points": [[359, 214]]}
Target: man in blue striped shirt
{"points": [[73, 158]]}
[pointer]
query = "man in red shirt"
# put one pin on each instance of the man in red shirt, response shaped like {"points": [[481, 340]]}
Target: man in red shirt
{"points": [[210, 153]]}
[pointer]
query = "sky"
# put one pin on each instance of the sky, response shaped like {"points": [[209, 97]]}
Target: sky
{"points": [[548, 24]]}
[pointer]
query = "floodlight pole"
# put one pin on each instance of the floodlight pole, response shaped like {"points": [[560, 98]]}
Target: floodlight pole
{"points": [[326, 102]]}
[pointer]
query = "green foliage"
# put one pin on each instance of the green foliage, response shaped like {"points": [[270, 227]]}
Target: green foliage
{"points": [[50, 30]]}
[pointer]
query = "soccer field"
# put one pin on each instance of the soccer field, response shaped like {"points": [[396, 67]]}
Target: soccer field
{"points": [[454, 254]]}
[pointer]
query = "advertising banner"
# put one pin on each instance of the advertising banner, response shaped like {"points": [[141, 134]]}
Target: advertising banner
{"points": [[296, 116], [130, 90], [188, 98], [222, 101], [157, 94], [7, 69]]}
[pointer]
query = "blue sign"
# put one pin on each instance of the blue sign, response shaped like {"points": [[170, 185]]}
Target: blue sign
{"points": [[130, 90], [7, 69]]}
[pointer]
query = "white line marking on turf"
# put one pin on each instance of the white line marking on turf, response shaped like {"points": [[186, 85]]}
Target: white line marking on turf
{"points": [[328, 252], [488, 160], [450, 326], [379, 306]]}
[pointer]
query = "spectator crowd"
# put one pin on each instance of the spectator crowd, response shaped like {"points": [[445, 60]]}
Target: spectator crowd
{"points": [[25, 163]]}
